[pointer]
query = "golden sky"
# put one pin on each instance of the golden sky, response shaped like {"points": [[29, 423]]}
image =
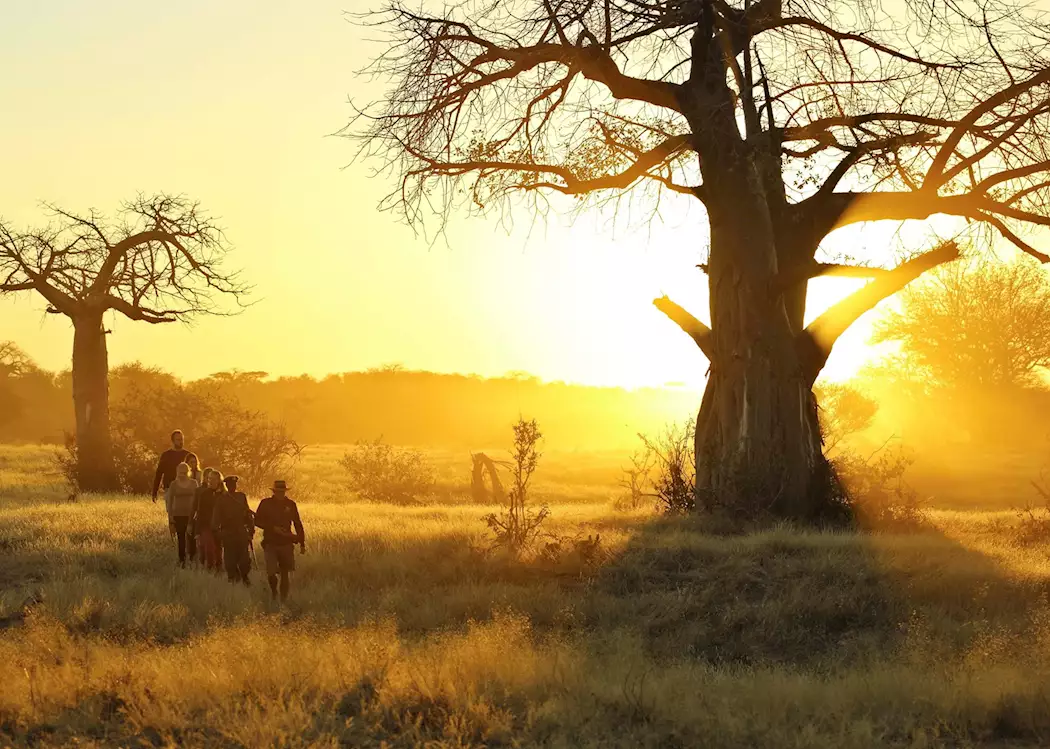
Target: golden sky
{"points": [[230, 102]]}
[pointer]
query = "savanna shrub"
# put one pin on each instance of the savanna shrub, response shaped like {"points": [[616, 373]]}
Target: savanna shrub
{"points": [[585, 553], [876, 493], [1034, 522], [1033, 526], [148, 404], [518, 525], [636, 481], [385, 473], [869, 491], [669, 468]]}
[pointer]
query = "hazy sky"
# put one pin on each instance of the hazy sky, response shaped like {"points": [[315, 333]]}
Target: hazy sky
{"points": [[231, 102]]}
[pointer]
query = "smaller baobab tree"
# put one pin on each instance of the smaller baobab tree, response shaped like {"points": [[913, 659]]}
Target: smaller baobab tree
{"points": [[157, 261]]}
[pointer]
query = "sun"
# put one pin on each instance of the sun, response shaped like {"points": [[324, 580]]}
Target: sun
{"points": [[594, 321]]}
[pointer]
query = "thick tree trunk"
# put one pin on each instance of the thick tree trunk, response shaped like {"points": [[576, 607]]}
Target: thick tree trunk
{"points": [[758, 442], [95, 469], [758, 446]]}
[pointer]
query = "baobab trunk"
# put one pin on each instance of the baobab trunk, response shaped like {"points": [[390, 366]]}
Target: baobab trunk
{"points": [[95, 469], [758, 445]]}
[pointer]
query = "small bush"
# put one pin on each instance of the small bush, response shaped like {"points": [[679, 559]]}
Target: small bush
{"points": [[671, 469], [876, 493], [637, 481], [1033, 527], [384, 473], [518, 525], [1034, 522], [135, 464], [585, 553]]}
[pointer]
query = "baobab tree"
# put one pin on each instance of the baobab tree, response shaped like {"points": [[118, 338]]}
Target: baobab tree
{"points": [[784, 119], [158, 261]]}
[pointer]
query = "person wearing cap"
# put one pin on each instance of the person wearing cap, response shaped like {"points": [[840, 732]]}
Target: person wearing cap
{"points": [[277, 516], [234, 525]]}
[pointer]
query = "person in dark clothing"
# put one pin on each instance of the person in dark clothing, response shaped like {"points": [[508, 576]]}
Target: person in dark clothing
{"points": [[208, 496], [234, 526], [168, 463], [277, 516]]}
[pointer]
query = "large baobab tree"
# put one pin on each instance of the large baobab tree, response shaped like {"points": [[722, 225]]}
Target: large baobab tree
{"points": [[158, 261], [785, 119]]}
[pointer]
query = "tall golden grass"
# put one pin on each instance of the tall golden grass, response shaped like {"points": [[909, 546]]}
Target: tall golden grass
{"points": [[403, 630]]}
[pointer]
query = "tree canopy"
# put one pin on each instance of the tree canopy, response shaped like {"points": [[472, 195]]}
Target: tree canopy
{"points": [[974, 325], [158, 260], [866, 110]]}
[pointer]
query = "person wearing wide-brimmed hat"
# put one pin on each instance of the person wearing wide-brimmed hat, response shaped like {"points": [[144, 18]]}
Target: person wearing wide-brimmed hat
{"points": [[277, 516]]}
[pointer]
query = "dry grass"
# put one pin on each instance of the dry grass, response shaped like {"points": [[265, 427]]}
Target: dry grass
{"points": [[403, 630]]}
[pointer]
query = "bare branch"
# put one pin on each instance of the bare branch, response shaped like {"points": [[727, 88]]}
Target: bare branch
{"points": [[1011, 237], [133, 312], [700, 333], [817, 340], [846, 36], [844, 208], [793, 277], [158, 261], [934, 175], [570, 184]]}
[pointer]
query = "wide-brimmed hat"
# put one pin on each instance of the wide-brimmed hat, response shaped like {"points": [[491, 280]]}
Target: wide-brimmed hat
{"points": [[280, 484]]}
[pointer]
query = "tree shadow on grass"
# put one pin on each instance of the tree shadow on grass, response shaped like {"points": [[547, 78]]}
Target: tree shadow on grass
{"points": [[806, 598]]}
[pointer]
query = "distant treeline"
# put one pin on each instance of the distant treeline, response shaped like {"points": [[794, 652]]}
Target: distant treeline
{"points": [[402, 407]]}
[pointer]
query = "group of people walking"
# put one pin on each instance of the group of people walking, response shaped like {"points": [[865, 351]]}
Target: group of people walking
{"points": [[212, 522]]}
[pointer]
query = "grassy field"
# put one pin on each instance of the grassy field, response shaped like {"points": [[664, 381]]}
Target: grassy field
{"points": [[403, 630]]}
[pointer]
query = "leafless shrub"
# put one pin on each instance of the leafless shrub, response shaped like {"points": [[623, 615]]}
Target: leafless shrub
{"points": [[517, 526], [1033, 527], [672, 475], [637, 481], [385, 473]]}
